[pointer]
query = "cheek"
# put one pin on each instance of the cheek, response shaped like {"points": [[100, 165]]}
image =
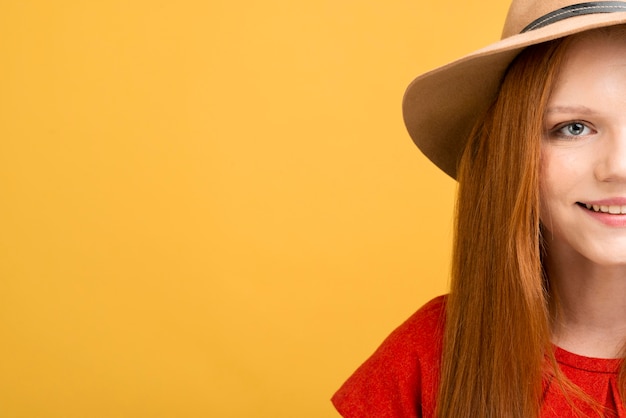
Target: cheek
{"points": [[551, 185], [544, 207], [559, 179]]}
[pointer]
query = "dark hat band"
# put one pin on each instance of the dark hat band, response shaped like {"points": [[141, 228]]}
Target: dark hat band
{"points": [[579, 9]]}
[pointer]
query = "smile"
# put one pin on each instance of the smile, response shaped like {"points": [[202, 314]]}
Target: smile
{"points": [[611, 209]]}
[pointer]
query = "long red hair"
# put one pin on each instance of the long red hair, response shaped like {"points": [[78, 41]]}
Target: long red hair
{"points": [[497, 334]]}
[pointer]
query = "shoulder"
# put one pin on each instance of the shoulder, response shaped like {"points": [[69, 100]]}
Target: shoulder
{"points": [[419, 336], [400, 378]]}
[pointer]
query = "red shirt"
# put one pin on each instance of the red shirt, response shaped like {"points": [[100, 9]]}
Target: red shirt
{"points": [[400, 379]]}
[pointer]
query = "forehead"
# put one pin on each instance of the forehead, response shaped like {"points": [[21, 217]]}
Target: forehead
{"points": [[591, 79], [594, 57], [595, 42]]}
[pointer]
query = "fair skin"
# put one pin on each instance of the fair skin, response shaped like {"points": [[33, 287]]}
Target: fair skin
{"points": [[584, 164]]}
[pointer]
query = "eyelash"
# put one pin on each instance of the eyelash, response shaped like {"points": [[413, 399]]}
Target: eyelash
{"points": [[557, 131]]}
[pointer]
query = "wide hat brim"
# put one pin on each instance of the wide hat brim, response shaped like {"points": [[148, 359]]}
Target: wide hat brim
{"points": [[441, 107]]}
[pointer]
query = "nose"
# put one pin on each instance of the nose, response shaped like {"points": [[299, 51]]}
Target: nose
{"points": [[611, 157]]}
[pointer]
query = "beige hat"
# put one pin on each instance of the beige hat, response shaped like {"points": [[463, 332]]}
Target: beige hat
{"points": [[441, 106]]}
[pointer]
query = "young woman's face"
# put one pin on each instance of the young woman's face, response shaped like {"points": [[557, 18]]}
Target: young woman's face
{"points": [[583, 176]]}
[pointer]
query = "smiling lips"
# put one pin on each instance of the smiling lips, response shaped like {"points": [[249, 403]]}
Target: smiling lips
{"points": [[611, 209]]}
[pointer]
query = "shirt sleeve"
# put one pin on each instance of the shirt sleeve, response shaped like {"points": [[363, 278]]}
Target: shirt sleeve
{"points": [[399, 380]]}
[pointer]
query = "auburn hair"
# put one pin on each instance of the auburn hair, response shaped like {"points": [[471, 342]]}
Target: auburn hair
{"points": [[496, 345]]}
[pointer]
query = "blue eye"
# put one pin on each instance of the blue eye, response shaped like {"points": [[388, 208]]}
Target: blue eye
{"points": [[575, 128], [572, 129]]}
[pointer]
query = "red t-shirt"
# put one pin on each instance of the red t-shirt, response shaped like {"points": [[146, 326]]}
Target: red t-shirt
{"points": [[400, 379]]}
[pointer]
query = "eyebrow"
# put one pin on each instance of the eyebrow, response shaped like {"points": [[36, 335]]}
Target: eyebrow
{"points": [[570, 109]]}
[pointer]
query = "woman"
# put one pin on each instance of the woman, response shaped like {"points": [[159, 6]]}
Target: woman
{"points": [[534, 129]]}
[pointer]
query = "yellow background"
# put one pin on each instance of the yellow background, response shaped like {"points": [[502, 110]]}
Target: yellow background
{"points": [[211, 208]]}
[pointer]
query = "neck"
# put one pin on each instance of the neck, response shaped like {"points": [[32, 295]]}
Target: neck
{"points": [[590, 317]]}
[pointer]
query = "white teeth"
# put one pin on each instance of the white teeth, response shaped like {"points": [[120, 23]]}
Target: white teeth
{"points": [[612, 209]]}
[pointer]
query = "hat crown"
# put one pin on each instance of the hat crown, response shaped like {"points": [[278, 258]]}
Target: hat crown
{"points": [[523, 12]]}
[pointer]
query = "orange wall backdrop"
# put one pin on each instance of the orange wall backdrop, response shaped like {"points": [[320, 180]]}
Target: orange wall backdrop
{"points": [[211, 208]]}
